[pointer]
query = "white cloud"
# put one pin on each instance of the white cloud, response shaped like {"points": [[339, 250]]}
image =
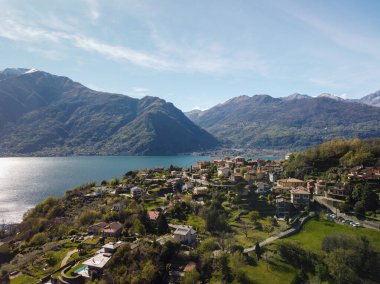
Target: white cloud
{"points": [[139, 90], [343, 96], [325, 82], [340, 34], [202, 57], [93, 9]]}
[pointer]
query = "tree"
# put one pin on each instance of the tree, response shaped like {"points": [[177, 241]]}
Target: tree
{"points": [[341, 267], [253, 216], [215, 220], [103, 183], [245, 229], [258, 251], [370, 199], [359, 209], [162, 224], [191, 277], [114, 181], [149, 272]]}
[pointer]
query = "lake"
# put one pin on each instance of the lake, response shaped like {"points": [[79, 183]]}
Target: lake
{"points": [[26, 181]]}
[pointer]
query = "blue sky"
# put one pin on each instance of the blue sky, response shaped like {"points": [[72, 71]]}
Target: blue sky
{"points": [[197, 53]]}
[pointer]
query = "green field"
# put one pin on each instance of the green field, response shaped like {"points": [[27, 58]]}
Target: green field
{"points": [[312, 234], [277, 271], [22, 279]]}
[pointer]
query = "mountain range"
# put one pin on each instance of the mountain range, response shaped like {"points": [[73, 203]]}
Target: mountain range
{"points": [[44, 114], [292, 122]]}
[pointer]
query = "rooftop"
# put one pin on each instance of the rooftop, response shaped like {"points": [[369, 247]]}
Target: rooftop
{"points": [[98, 261]]}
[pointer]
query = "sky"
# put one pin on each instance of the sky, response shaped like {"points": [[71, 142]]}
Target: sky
{"points": [[197, 53]]}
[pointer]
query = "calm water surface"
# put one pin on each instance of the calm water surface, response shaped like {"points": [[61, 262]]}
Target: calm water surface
{"points": [[24, 182]]}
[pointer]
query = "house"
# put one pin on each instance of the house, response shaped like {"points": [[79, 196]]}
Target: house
{"points": [[250, 175], [284, 208], [239, 161], [195, 176], [200, 190], [117, 207], [299, 196], [310, 185], [290, 182], [273, 176], [320, 187], [112, 247], [237, 178], [336, 192], [188, 186], [113, 230], [136, 191], [190, 267], [184, 234], [153, 215], [287, 156], [262, 188], [96, 228], [280, 190], [97, 262], [224, 172]]}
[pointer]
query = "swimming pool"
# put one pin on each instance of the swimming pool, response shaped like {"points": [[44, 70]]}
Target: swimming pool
{"points": [[79, 270]]}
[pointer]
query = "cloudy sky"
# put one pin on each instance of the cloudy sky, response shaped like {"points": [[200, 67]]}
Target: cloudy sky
{"points": [[198, 53]]}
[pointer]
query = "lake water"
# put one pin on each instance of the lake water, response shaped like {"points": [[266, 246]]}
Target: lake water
{"points": [[26, 181]]}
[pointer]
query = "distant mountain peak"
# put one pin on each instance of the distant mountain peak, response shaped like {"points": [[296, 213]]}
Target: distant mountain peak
{"points": [[238, 99], [17, 71], [330, 96], [296, 96], [372, 99]]}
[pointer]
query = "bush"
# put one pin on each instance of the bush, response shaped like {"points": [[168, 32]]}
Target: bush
{"points": [[39, 239], [88, 217]]}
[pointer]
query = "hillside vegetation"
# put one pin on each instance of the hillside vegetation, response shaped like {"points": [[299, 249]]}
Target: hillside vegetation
{"points": [[338, 153]]}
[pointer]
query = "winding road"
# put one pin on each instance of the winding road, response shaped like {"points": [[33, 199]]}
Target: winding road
{"points": [[66, 258]]}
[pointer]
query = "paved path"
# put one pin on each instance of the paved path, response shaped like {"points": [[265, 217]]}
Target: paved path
{"points": [[70, 253], [284, 234]]}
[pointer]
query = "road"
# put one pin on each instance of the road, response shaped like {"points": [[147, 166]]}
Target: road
{"points": [[66, 258], [367, 224], [284, 234]]}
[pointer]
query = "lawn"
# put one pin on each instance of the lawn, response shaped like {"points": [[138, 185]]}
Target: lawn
{"points": [[22, 279], [196, 222], [75, 267], [313, 232], [158, 202], [253, 235], [277, 271]]}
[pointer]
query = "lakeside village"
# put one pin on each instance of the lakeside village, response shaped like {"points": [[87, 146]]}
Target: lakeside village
{"points": [[222, 205]]}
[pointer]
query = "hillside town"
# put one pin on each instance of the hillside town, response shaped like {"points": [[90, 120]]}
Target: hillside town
{"points": [[239, 202]]}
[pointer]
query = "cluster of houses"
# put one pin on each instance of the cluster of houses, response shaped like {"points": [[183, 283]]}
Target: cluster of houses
{"points": [[290, 194]]}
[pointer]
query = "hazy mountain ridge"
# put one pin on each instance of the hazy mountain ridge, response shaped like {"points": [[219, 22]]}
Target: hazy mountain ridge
{"points": [[371, 99], [291, 122], [44, 114]]}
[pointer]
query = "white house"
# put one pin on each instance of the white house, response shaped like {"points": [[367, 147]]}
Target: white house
{"points": [[184, 234], [188, 186], [136, 191], [200, 190], [299, 196], [224, 172]]}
